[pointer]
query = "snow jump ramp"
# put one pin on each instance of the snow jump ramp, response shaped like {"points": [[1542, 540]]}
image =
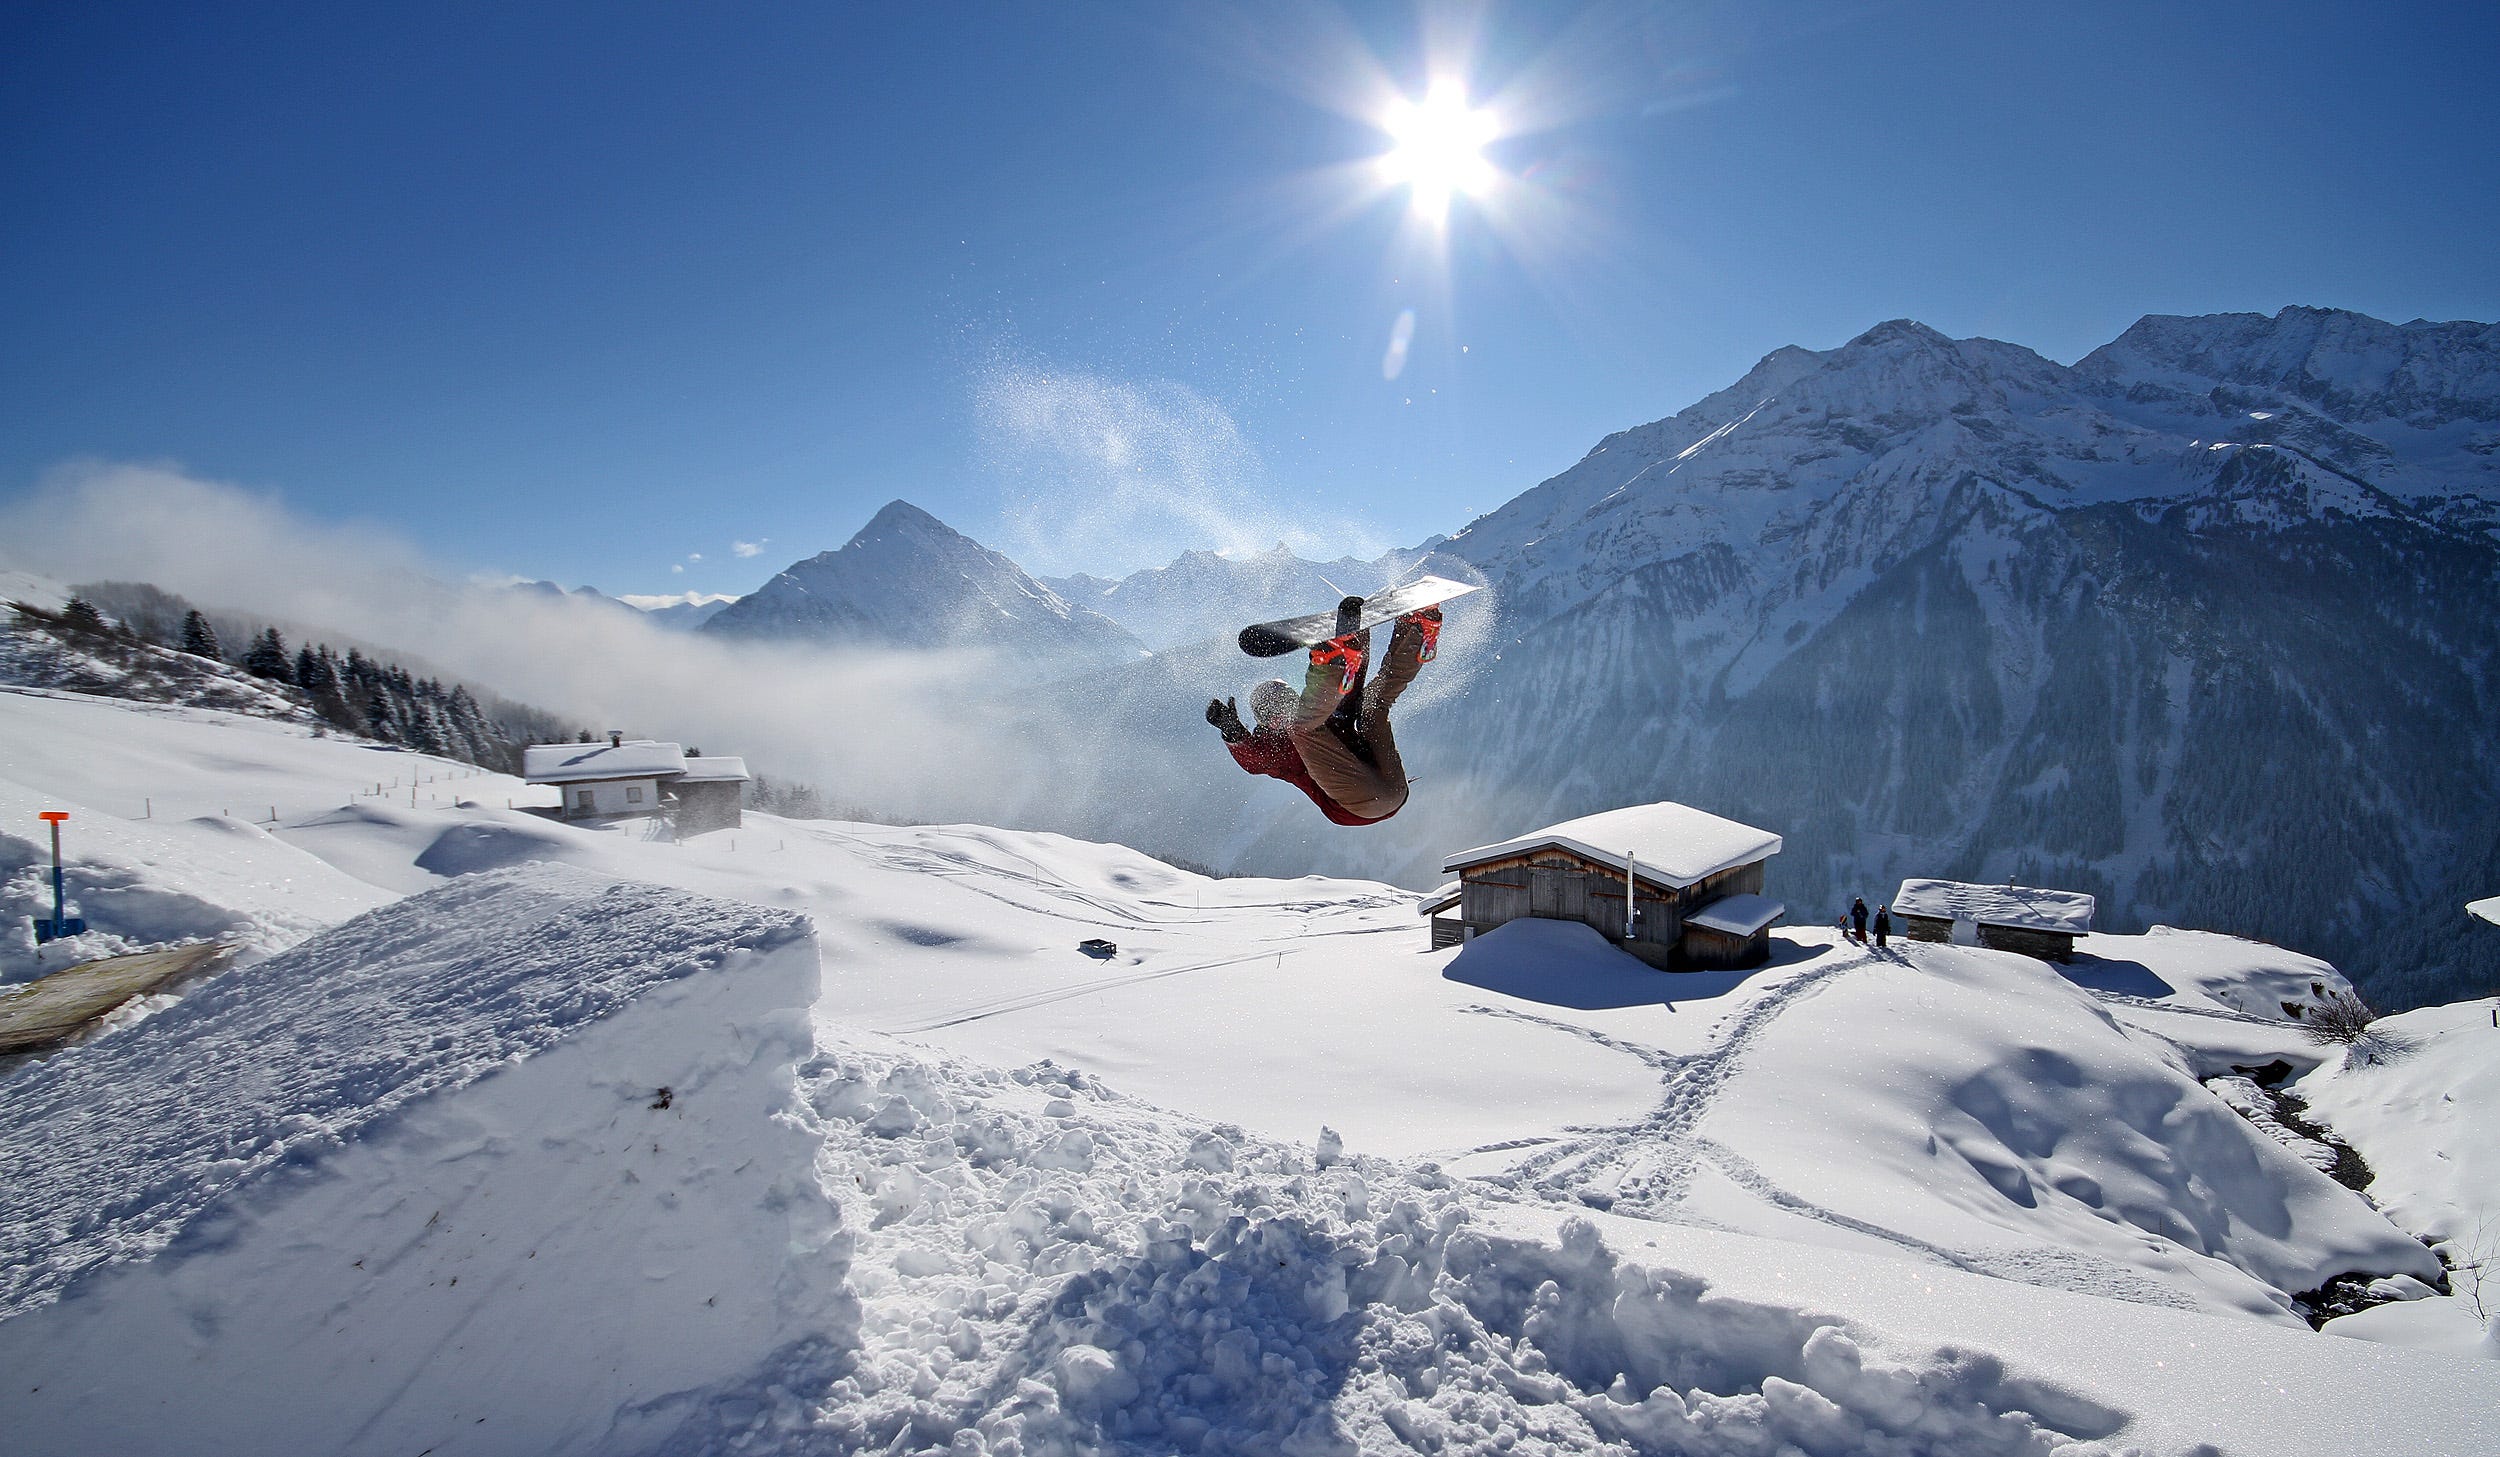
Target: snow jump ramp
{"points": [[495, 1169]]}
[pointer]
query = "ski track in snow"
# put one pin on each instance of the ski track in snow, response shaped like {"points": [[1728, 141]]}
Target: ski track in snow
{"points": [[1642, 1168]]}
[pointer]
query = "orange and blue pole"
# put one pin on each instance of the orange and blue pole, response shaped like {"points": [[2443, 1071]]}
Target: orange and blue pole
{"points": [[60, 925]]}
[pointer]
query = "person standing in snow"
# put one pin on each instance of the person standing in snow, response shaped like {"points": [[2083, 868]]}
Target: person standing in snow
{"points": [[1857, 919], [1332, 740], [1883, 924]]}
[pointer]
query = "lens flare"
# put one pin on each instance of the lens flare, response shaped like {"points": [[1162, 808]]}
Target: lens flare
{"points": [[1438, 149]]}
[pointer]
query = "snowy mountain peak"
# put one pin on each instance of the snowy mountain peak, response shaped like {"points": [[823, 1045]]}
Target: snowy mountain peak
{"points": [[2350, 366], [907, 579], [1899, 334]]}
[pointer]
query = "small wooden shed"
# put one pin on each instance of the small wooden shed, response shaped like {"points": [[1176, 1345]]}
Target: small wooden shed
{"points": [[1685, 884], [2023, 918]]}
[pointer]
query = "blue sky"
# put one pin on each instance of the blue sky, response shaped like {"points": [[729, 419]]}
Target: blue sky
{"points": [[584, 291]]}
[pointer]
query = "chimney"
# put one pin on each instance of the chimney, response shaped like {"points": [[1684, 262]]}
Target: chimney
{"points": [[616, 738]]}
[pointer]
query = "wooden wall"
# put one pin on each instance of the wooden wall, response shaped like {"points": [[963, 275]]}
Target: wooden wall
{"points": [[2046, 945], [1704, 949], [1558, 885], [1924, 928]]}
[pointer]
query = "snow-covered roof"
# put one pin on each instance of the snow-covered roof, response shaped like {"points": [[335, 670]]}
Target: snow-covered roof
{"points": [[1439, 901], [632, 759], [722, 768], [1737, 915], [2489, 909], [1675, 844], [2023, 907]]}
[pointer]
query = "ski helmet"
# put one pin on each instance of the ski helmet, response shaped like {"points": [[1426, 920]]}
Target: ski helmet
{"points": [[1273, 700]]}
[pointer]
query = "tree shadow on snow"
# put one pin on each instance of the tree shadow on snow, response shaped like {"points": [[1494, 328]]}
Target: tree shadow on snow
{"points": [[2126, 978], [1567, 964]]}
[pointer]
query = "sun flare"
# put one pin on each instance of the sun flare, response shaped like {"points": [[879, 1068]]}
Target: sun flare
{"points": [[1438, 151]]}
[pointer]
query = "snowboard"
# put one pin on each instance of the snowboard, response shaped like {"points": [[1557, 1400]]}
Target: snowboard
{"points": [[1286, 634]]}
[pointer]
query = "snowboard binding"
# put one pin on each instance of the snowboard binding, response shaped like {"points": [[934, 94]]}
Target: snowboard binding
{"points": [[1427, 620]]}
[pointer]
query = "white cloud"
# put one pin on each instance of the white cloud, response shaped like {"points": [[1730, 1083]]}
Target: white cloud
{"points": [[749, 548], [1110, 475], [901, 731], [677, 569], [694, 556]]}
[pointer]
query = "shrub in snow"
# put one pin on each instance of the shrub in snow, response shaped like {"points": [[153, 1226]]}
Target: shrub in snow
{"points": [[2338, 1017]]}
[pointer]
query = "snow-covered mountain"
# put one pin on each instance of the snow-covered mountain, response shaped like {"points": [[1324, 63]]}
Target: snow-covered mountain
{"points": [[681, 611], [685, 613], [909, 580], [1204, 594], [2200, 625]]}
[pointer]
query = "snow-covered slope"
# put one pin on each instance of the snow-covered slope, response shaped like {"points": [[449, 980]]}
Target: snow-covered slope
{"points": [[1274, 1176], [514, 1154], [909, 580]]}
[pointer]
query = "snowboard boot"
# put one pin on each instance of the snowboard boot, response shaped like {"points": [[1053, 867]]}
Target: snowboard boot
{"points": [[1343, 653], [1427, 621]]}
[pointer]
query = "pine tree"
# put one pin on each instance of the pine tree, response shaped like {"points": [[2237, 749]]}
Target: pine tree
{"points": [[312, 672], [198, 638], [268, 658], [80, 616]]}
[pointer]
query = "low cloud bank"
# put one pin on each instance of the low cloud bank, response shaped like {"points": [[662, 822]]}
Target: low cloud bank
{"points": [[914, 733]]}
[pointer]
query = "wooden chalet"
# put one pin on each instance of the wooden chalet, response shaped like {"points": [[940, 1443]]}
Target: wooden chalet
{"points": [[2022, 918], [1679, 888], [640, 777]]}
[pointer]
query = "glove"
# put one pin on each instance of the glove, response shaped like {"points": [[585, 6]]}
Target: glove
{"points": [[1227, 720]]}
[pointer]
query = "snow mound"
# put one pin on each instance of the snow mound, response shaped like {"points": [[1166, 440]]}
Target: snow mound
{"points": [[1971, 1107], [2205, 969], [2421, 1114], [1045, 1267], [109, 1153], [509, 1166]]}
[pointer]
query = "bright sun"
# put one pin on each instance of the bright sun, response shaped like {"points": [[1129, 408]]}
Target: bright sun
{"points": [[1439, 151]]}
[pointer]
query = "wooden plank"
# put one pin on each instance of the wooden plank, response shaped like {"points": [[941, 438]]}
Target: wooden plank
{"points": [[59, 1006]]}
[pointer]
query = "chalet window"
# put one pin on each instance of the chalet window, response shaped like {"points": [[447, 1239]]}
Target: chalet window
{"points": [[633, 794], [585, 800]]}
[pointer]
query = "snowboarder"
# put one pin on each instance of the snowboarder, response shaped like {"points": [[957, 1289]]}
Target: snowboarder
{"points": [[1883, 924], [1857, 919], [1332, 740]]}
